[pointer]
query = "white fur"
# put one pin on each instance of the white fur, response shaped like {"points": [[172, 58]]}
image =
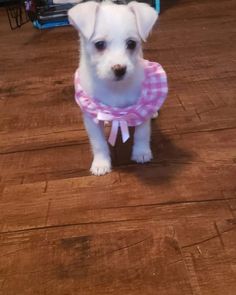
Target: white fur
{"points": [[114, 24]]}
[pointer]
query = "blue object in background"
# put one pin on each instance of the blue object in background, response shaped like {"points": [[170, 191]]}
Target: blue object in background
{"points": [[157, 5], [50, 25], [64, 21]]}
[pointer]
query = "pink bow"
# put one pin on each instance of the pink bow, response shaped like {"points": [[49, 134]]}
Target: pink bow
{"points": [[115, 127]]}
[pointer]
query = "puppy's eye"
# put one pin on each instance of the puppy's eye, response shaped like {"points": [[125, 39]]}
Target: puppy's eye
{"points": [[100, 45], [131, 44]]}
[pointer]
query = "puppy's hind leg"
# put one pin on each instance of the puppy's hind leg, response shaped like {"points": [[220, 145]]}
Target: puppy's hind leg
{"points": [[141, 149], [101, 155]]}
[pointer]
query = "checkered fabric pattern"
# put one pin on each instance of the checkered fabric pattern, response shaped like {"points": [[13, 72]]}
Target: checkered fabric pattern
{"points": [[153, 94]]}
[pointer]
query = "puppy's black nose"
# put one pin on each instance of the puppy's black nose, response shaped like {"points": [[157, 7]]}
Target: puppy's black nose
{"points": [[119, 71]]}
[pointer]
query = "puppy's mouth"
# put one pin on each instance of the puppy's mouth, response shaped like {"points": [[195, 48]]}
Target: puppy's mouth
{"points": [[118, 79]]}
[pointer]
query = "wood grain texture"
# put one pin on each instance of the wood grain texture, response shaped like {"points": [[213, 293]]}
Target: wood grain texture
{"points": [[166, 228]]}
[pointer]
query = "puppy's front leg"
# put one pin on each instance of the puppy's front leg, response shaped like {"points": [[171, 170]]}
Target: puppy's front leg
{"points": [[141, 149], [101, 156]]}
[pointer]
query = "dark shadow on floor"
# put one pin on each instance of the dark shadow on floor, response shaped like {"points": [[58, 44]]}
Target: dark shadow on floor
{"points": [[169, 159]]}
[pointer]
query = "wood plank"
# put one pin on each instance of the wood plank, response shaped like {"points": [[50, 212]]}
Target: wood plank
{"points": [[88, 200], [87, 260], [209, 254], [232, 202]]}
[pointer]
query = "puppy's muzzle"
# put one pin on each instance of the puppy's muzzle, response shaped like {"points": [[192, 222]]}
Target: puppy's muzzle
{"points": [[119, 71]]}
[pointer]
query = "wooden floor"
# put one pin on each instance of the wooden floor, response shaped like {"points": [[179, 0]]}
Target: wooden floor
{"points": [[166, 228]]}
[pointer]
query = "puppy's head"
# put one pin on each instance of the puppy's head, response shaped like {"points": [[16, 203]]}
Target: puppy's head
{"points": [[111, 36]]}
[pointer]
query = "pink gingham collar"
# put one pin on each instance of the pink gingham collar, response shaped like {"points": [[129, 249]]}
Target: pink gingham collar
{"points": [[153, 94]]}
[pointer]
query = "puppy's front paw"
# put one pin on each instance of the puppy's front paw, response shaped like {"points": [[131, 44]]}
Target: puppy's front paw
{"points": [[100, 166], [141, 155]]}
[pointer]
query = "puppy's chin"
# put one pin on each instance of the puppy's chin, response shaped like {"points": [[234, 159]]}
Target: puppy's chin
{"points": [[118, 83], [117, 79]]}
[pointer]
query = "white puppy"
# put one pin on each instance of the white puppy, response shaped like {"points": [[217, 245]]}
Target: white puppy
{"points": [[111, 67]]}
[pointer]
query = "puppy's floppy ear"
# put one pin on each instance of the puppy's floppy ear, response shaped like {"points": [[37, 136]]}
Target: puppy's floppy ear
{"points": [[83, 17], [146, 17]]}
